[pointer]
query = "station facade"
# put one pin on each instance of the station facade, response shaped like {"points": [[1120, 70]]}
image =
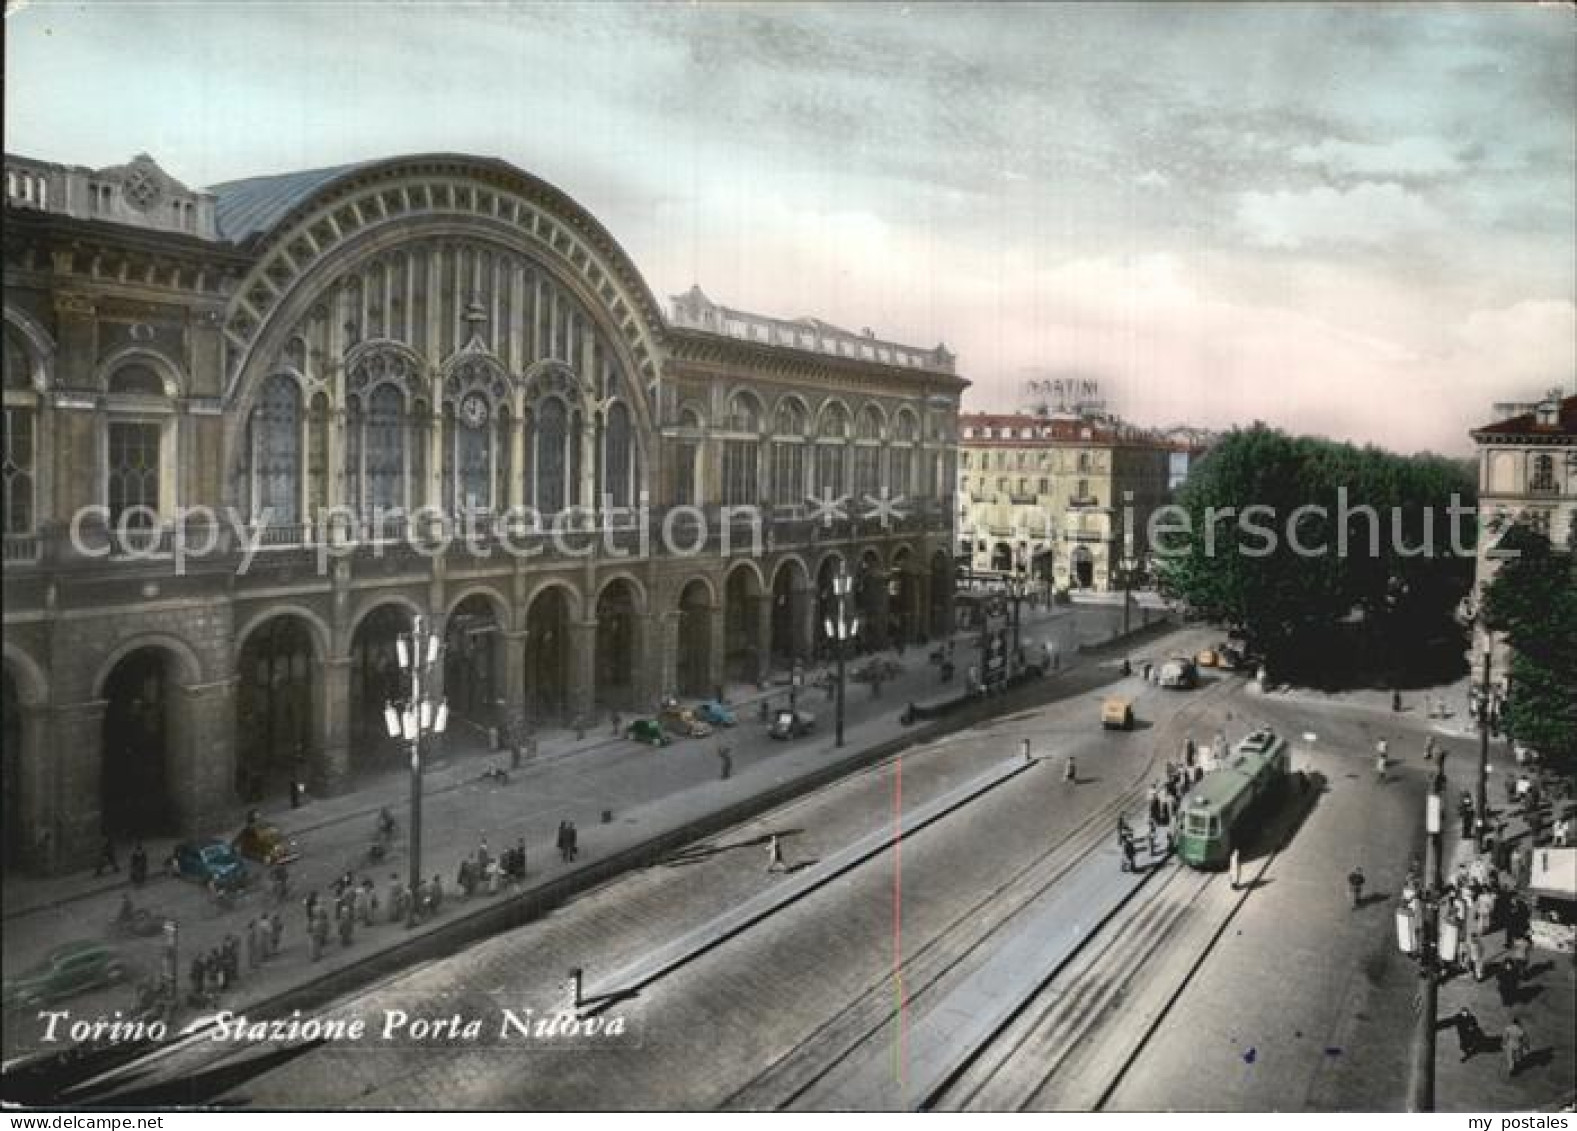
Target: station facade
{"points": [[251, 432]]}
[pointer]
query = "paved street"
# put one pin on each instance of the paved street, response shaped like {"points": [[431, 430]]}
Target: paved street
{"points": [[647, 790]]}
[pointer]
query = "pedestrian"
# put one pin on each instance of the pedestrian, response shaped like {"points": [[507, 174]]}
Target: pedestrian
{"points": [[1355, 886], [1396, 701], [775, 862], [1475, 956], [519, 869], [276, 931], [138, 864], [615, 724], [1069, 772], [1380, 763], [494, 877], [574, 842], [296, 792], [435, 895], [1127, 851], [1190, 751], [107, 857], [725, 760], [562, 842], [254, 957], [398, 899], [464, 878], [1235, 865], [1470, 1037], [1514, 1045], [346, 919], [483, 857], [317, 934], [367, 902]]}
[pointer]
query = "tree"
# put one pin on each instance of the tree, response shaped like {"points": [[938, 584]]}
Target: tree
{"points": [[1533, 601], [1319, 552]]}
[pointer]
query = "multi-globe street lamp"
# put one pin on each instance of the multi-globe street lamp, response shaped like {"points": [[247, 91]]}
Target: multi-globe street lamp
{"points": [[411, 721], [841, 628]]}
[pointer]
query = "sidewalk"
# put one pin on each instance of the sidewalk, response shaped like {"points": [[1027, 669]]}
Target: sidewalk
{"points": [[648, 792]]}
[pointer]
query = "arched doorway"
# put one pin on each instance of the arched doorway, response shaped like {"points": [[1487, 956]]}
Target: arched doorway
{"points": [[137, 737], [273, 711], [941, 594], [547, 655], [694, 668], [1002, 557], [11, 771], [741, 625], [471, 662], [785, 605], [1042, 570], [617, 645], [1083, 563], [375, 680]]}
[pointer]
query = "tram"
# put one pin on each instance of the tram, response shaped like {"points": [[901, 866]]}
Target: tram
{"points": [[1217, 814]]}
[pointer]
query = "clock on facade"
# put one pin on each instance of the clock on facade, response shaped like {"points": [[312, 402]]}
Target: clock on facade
{"points": [[473, 411]]}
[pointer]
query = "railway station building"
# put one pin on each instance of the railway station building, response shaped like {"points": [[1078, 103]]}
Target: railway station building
{"points": [[251, 432]]}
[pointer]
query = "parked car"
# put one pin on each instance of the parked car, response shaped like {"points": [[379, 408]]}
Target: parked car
{"points": [[715, 713], [267, 845], [1230, 657], [683, 722], [791, 724], [68, 969], [1117, 713], [649, 731], [1207, 658], [212, 860], [1179, 673]]}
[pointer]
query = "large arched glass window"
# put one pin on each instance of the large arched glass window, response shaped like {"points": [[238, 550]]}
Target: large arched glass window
{"points": [[276, 452], [619, 457], [741, 453], [832, 437], [867, 454], [900, 456], [552, 456], [473, 454]]}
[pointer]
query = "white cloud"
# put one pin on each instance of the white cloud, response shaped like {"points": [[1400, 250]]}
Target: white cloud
{"points": [[1403, 157], [1367, 215]]}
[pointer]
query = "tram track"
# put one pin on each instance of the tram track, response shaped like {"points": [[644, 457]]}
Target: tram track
{"points": [[948, 955]]}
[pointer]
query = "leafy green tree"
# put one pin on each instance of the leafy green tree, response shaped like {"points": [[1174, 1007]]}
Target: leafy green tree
{"points": [[1318, 551], [1533, 601]]}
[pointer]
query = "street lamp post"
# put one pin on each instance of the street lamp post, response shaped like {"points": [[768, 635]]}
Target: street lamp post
{"points": [[1421, 1070], [1016, 587], [841, 628], [1129, 565], [417, 717]]}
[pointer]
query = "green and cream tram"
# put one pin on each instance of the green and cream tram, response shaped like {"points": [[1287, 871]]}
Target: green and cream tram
{"points": [[1218, 810]]}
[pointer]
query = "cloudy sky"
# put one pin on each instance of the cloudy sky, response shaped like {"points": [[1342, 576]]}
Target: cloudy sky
{"points": [[1355, 220]]}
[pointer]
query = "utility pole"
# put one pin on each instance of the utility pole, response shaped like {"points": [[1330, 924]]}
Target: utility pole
{"points": [[1481, 798]]}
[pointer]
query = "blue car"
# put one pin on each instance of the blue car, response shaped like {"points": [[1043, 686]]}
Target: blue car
{"points": [[212, 860], [715, 713]]}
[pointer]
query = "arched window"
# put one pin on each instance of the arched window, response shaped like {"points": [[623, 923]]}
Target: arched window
{"points": [[18, 441], [742, 456], [867, 454], [505, 461], [473, 454], [141, 424], [552, 456], [619, 457], [832, 451], [385, 449], [788, 455], [900, 456], [136, 379], [318, 455], [276, 452]]}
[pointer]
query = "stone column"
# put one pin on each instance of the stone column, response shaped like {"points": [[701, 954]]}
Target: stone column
{"points": [[583, 669], [201, 766], [646, 681], [717, 658], [802, 616], [881, 607], [763, 615], [328, 763], [514, 692], [665, 651], [70, 834]]}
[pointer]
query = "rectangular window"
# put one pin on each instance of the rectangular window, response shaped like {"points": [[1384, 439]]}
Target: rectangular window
{"points": [[133, 471], [829, 470], [788, 475], [867, 464], [16, 462], [901, 472]]}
